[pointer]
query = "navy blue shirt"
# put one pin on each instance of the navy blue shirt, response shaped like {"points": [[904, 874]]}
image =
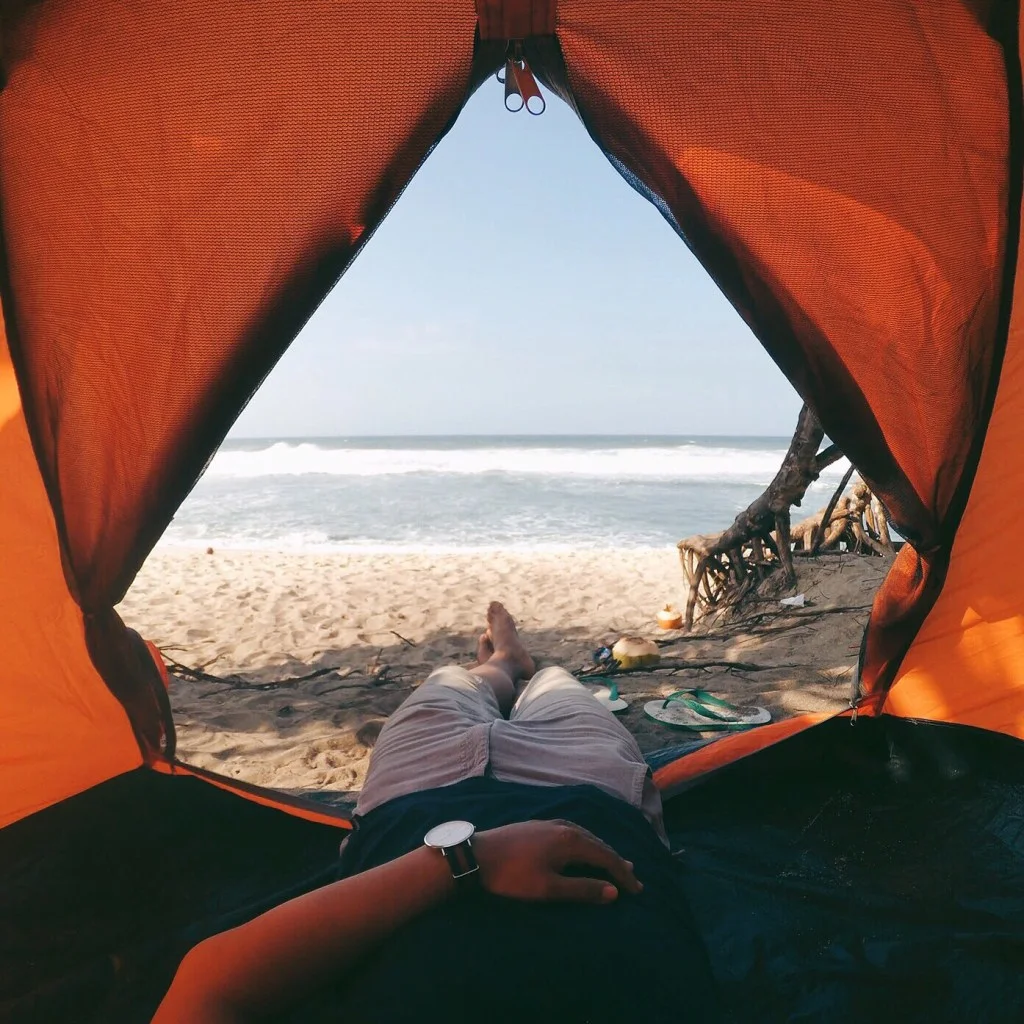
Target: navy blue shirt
{"points": [[481, 958]]}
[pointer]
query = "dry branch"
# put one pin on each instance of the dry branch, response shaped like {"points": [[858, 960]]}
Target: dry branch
{"points": [[239, 682], [673, 668], [826, 516], [722, 569]]}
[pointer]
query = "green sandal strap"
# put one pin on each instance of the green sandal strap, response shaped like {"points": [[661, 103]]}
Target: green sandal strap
{"points": [[709, 698], [697, 701], [695, 706], [613, 687]]}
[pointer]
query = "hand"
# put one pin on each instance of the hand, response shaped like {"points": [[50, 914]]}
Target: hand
{"points": [[525, 861]]}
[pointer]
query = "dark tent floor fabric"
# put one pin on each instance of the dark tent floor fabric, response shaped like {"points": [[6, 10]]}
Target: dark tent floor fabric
{"points": [[103, 893], [851, 873], [872, 872]]}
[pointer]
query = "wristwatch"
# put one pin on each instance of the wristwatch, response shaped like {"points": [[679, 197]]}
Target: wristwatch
{"points": [[455, 840]]}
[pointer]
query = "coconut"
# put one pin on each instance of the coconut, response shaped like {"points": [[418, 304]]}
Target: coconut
{"points": [[635, 652]]}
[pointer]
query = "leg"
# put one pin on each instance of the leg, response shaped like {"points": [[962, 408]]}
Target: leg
{"points": [[504, 661], [439, 736], [558, 735]]}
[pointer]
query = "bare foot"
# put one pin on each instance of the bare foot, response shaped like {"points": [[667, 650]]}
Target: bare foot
{"points": [[484, 649], [507, 646]]}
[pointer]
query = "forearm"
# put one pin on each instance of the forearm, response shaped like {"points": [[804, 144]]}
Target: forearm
{"points": [[261, 966]]}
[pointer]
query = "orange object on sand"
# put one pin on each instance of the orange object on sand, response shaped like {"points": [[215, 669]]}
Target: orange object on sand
{"points": [[670, 617]]}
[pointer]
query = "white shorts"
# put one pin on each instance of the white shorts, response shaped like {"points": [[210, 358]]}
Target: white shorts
{"points": [[451, 729]]}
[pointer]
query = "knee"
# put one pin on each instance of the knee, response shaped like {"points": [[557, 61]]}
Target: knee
{"points": [[551, 679]]}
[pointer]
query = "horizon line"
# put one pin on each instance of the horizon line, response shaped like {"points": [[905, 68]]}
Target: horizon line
{"points": [[466, 434]]}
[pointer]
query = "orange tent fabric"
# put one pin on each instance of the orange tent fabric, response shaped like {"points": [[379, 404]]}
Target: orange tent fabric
{"points": [[61, 729], [861, 233], [966, 664], [180, 186]]}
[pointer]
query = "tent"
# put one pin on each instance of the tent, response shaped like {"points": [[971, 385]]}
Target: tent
{"points": [[180, 186]]}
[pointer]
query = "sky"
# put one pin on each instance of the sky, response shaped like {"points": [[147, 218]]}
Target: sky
{"points": [[520, 286]]}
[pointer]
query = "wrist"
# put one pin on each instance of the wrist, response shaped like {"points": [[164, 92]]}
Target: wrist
{"points": [[436, 873], [486, 847]]}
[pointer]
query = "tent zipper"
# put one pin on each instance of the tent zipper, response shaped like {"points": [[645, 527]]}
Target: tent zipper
{"points": [[521, 88]]}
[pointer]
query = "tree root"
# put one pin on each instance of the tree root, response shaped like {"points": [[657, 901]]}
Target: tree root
{"points": [[722, 569]]}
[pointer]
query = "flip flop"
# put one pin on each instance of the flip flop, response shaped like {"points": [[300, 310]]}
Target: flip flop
{"points": [[608, 694], [699, 711]]}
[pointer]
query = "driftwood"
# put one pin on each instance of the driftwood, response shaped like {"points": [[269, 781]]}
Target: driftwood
{"points": [[721, 569], [375, 675], [675, 667], [856, 522]]}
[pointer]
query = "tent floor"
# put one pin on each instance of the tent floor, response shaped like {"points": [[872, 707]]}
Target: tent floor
{"points": [[867, 872], [103, 893], [846, 873]]}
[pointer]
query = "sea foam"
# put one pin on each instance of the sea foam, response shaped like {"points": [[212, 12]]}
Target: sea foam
{"points": [[678, 462]]}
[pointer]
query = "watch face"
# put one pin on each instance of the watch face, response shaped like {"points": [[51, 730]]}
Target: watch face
{"points": [[451, 833]]}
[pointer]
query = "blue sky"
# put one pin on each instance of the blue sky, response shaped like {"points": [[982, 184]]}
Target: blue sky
{"points": [[520, 286]]}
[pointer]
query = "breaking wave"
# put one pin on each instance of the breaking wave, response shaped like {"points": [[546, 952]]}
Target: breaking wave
{"points": [[713, 464]]}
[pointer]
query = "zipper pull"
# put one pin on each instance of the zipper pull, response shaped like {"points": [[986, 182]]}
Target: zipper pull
{"points": [[521, 89]]}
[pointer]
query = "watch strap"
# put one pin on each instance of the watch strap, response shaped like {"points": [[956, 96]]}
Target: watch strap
{"points": [[462, 863]]}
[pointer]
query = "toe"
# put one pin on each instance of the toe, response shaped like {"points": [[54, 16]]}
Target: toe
{"points": [[484, 648], [500, 623]]}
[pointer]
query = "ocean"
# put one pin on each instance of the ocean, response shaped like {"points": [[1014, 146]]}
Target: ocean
{"points": [[476, 493]]}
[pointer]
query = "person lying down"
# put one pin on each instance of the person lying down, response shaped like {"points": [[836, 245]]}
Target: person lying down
{"points": [[508, 863]]}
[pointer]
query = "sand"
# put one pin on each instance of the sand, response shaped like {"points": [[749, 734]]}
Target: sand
{"points": [[374, 625]]}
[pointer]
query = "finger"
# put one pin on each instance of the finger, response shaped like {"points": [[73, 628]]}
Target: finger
{"points": [[586, 848], [571, 833], [580, 890], [580, 846]]}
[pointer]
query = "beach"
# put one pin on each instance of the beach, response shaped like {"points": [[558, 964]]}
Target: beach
{"points": [[303, 655]]}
